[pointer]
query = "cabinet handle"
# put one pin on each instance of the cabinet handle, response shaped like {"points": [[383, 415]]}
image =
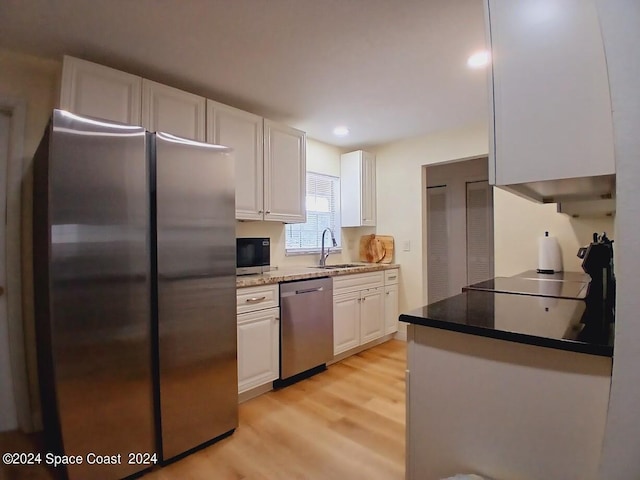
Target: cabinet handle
{"points": [[364, 298], [388, 293], [392, 278], [268, 212], [277, 319], [259, 211], [255, 299]]}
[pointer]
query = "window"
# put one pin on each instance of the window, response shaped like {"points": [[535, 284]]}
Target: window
{"points": [[323, 200]]}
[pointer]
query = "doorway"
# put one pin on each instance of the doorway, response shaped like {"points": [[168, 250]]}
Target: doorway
{"points": [[8, 413], [15, 402], [459, 227]]}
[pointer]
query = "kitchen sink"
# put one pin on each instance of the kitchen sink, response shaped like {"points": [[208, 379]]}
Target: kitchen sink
{"points": [[340, 265]]}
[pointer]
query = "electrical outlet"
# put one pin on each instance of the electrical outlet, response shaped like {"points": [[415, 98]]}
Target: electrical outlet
{"points": [[406, 246]]}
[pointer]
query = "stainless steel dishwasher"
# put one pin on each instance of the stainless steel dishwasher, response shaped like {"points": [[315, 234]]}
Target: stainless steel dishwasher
{"points": [[306, 328]]}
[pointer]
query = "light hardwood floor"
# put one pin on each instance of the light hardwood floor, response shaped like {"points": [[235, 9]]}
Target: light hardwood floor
{"points": [[345, 423]]}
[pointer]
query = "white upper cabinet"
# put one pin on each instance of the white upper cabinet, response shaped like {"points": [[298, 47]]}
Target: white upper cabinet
{"points": [[270, 163], [284, 173], [170, 110], [358, 189], [243, 132], [551, 105], [270, 157], [98, 91]]}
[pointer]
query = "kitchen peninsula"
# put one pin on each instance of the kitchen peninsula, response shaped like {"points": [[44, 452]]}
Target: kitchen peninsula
{"points": [[507, 386]]}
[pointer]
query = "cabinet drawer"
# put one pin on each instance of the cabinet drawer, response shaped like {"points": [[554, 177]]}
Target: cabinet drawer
{"points": [[391, 276], [250, 299], [357, 281]]}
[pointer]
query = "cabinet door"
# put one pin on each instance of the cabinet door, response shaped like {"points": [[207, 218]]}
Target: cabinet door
{"points": [[243, 132], [98, 91], [390, 309], [167, 109], [346, 322], [258, 348], [371, 314], [368, 190], [552, 108], [358, 189], [284, 173]]}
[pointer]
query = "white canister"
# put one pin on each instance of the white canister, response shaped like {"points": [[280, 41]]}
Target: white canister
{"points": [[549, 254]]}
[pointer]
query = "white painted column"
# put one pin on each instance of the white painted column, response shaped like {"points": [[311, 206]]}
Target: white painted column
{"points": [[620, 23]]}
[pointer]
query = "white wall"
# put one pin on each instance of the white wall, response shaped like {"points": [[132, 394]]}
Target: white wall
{"points": [[619, 20], [401, 191], [519, 222], [321, 158], [32, 80]]}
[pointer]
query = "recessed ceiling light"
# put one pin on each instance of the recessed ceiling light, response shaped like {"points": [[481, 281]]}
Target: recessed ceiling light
{"points": [[341, 131], [479, 59]]}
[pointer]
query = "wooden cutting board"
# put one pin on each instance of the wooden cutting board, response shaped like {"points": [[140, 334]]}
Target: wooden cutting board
{"points": [[376, 248]]}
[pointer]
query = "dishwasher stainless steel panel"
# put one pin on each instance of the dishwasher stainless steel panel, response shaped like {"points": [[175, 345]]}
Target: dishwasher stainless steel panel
{"points": [[306, 325]]}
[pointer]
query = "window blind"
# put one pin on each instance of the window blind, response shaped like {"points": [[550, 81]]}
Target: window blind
{"points": [[322, 204]]}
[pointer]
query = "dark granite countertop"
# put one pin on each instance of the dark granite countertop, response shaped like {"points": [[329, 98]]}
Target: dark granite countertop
{"points": [[543, 321]]}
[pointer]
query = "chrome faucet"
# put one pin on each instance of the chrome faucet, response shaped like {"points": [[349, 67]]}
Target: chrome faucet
{"points": [[324, 256]]}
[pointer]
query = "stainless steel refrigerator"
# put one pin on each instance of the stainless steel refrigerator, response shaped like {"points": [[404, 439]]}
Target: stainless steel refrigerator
{"points": [[134, 267]]}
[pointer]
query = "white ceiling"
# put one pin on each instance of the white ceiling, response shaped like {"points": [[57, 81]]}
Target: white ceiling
{"points": [[388, 69]]}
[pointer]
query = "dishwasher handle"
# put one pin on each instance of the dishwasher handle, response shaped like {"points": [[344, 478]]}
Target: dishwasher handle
{"points": [[315, 286], [301, 291], [309, 290]]}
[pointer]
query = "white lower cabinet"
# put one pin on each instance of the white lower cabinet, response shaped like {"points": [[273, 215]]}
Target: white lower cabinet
{"points": [[258, 336], [371, 314], [358, 310], [390, 309], [391, 300], [258, 342], [346, 322]]}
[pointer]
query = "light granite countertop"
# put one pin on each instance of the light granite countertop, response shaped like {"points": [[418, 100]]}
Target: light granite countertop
{"points": [[304, 272]]}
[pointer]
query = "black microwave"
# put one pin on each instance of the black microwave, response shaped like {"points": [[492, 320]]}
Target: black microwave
{"points": [[253, 255]]}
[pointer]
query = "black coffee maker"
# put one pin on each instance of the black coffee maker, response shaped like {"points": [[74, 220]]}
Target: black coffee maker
{"points": [[597, 261]]}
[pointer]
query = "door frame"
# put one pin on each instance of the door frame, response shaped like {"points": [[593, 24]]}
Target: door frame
{"points": [[16, 108]]}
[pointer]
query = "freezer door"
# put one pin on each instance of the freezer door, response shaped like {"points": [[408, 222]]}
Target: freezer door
{"points": [[196, 289], [91, 204]]}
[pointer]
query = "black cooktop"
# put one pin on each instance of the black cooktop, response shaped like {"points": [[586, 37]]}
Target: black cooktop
{"points": [[545, 287]]}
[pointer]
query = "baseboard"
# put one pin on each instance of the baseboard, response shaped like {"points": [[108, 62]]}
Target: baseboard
{"points": [[361, 348], [255, 392]]}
